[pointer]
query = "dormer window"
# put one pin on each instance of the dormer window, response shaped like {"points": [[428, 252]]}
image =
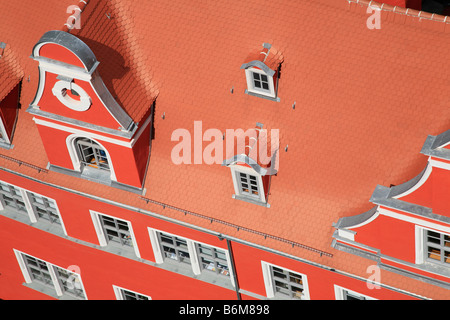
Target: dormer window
{"points": [[251, 165], [11, 84], [91, 154], [262, 70], [8, 116], [261, 81], [249, 185], [106, 142]]}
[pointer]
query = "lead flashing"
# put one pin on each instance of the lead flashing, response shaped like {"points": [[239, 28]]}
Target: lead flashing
{"points": [[402, 188], [260, 65], [72, 43], [352, 221], [433, 146], [247, 160], [381, 196]]}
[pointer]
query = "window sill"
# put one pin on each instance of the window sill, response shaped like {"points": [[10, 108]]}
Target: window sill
{"points": [[250, 200], [6, 145], [49, 291], [100, 177], [41, 224], [435, 268], [253, 93]]}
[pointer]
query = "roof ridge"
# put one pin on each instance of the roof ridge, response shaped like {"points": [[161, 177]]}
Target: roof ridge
{"points": [[404, 11]]}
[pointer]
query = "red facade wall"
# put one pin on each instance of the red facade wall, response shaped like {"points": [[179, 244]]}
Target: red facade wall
{"points": [[59, 53], [99, 270], [433, 193], [320, 281], [392, 236], [128, 163], [97, 114]]}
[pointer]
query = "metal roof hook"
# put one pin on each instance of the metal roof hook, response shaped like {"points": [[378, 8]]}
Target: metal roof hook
{"points": [[2, 46]]}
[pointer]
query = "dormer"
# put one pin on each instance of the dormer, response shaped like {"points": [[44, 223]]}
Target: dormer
{"points": [[10, 85], [85, 131], [262, 71], [408, 229], [253, 162]]}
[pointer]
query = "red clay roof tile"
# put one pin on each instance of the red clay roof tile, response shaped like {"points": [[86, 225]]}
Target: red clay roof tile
{"points": [[365, 100]]}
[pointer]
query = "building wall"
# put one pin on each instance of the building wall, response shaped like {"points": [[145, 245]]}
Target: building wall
{"points": [[100, 269], [129, 164]]}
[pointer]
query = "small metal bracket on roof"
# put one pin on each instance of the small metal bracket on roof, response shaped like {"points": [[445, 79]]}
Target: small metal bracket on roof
{"points": [[293, 105], [286, 148], [108, 15], [232, 89], [2, 46], [259, 125], [163, 115]]}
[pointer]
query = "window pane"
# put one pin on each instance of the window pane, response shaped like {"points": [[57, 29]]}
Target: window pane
{"points": [[287, 283], [116, 230], [91, 154], [174, 248], [438, 247], [69, 282], [213, 259], [44, 207]]}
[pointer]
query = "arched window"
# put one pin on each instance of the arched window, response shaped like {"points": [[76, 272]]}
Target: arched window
{"points": [[91, 154]]}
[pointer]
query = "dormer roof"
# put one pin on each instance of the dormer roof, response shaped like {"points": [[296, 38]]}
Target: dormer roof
{"points": [[258, 149], [267, 59]]}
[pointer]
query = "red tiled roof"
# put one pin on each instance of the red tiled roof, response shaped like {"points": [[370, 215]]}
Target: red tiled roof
{"points": [[124, 68], [268, 55], [365, 101], [10, 71]]}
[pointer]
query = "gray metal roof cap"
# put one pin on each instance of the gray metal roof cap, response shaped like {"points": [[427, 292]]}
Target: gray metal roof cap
{"points": [[70, 42], [245, 159], [260, 65]]}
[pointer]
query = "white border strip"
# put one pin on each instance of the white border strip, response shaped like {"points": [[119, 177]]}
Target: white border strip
{"points": [[416, 221], [92, 136]]}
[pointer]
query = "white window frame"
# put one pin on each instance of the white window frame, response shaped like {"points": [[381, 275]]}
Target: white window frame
{"points": [[4, 138], [73, 153], [339, 293], [191, 244], [235, 170], [51, 269], [119, 295], [420, 243], [59, 90], [250, 86], [268, 281], [33, 216], [103, 241]]}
